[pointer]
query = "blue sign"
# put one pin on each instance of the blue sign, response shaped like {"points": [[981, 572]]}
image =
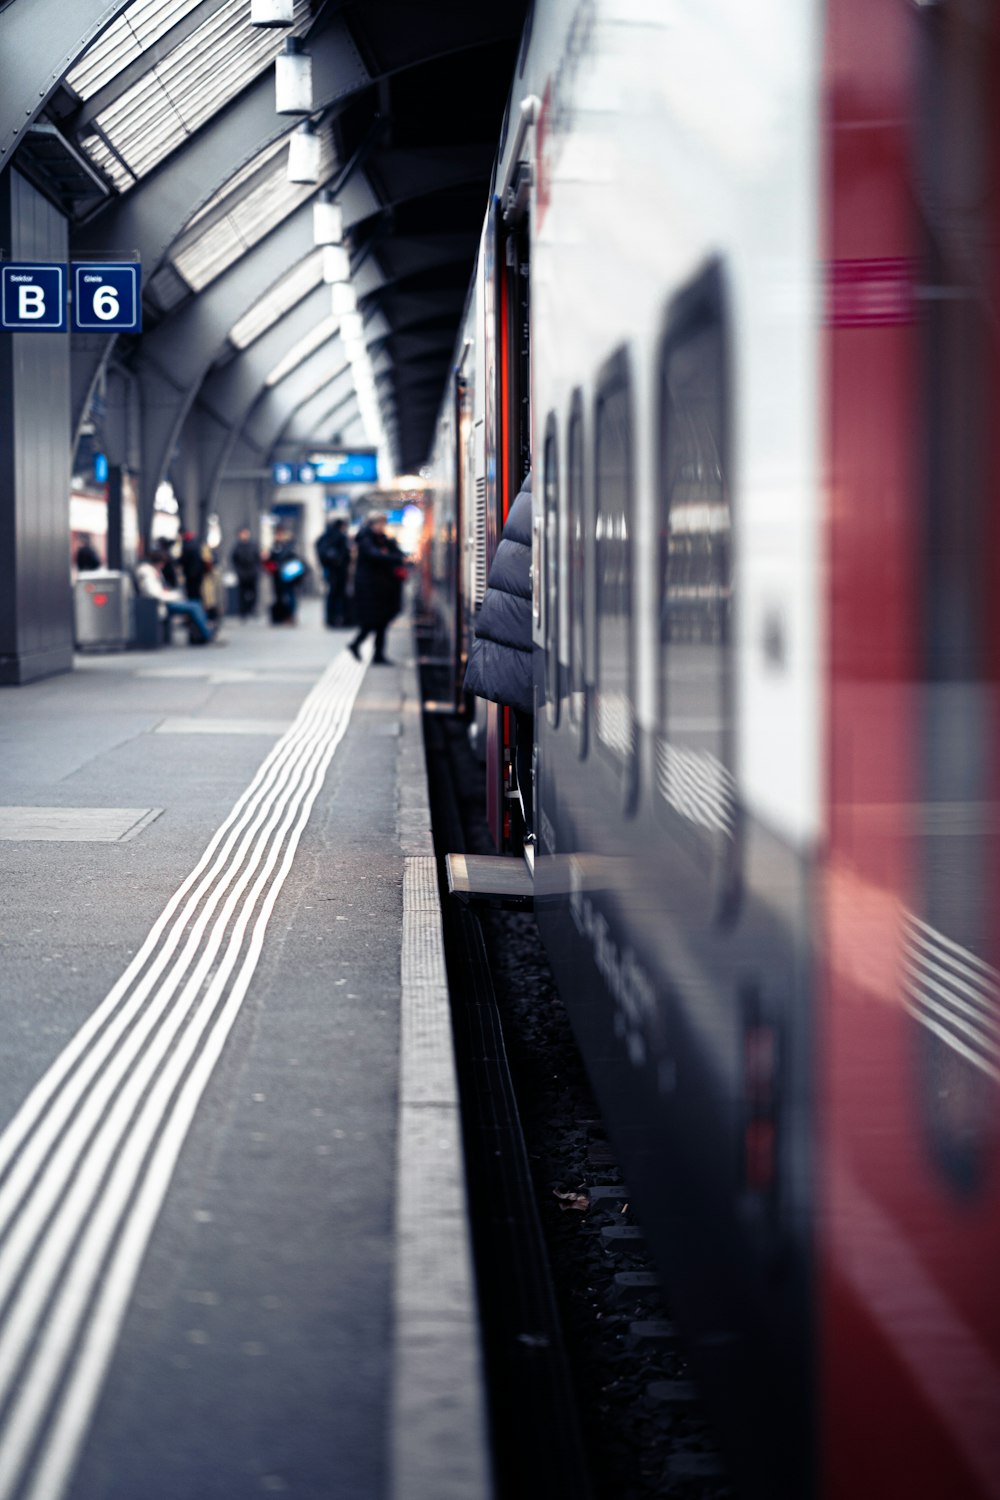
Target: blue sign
{"points": [[107, 298], [348, 468], [339, 468], [101, 468], [33, 297]]}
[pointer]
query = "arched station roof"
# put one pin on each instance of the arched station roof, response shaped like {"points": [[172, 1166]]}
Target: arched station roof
{"points": [[152, 125]]}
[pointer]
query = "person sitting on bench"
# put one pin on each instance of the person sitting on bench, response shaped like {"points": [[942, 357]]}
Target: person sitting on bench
{"points": [[149, 582]]}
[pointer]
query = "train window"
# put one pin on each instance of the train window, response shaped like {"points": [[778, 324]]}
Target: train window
{"points": [[614, 667], [551, 564], [694, 710], [576, 574]]}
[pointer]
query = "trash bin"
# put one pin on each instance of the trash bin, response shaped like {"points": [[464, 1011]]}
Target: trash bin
{"points": [[101, 609]]}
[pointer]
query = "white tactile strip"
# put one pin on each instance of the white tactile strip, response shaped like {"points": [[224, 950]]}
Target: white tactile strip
{"points": [[86, 825], [87, 1161]]}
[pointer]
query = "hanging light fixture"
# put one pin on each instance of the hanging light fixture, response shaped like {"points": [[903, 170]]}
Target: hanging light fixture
{"points": [[328, 220], [271, 12], [336, 263], [293, 80], [343, 299], [303, 154]]}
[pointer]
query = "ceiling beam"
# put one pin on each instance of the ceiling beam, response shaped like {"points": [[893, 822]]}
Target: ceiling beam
{"points": [[46, 37]]}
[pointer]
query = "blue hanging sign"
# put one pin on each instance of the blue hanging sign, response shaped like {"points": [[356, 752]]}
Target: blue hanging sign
{"points": [[347, 468], [339, 468], [33, 297], [107, 298]]}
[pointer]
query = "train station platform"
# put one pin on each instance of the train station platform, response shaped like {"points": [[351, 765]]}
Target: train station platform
{"points": [[233, 1243]]}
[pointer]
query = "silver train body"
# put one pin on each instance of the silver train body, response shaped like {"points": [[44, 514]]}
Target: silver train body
{"points": [[685, 311]]}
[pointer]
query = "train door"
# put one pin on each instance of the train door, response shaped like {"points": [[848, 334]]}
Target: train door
{"points": [[510, 437]]}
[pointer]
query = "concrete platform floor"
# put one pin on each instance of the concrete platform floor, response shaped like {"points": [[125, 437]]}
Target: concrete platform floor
{"points": [[233, 1255]]}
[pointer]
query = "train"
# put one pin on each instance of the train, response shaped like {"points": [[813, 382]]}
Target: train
{"points": [[735, 308]]}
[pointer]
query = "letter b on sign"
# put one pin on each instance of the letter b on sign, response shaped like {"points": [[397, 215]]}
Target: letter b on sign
{"points": [[30, 303], [33, 297]]}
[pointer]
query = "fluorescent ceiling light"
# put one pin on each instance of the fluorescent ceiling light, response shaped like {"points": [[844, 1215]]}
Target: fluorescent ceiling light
{"points": [[293, 81], [271, 12], [328, 220], [343, 298], [303, 154], [336, 263]]}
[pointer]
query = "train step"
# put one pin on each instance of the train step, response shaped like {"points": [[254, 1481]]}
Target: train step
{"points": [[496, 879]]}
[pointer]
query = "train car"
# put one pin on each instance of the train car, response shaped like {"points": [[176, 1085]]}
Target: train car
{"points": [[736, 307]]}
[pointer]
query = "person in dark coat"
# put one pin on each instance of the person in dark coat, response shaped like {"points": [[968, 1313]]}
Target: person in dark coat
{"points": [[87, 557], [379, 571], [334, 553], [287, 571], [192, 565], [500, 666], [168, 567], [245, 559]]}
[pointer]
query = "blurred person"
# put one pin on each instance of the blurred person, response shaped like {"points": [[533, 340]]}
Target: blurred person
{"points": [[334, 553], [287, 571], [500, 661], [192, 565], [150, 584], [87, 557], [245, 559], [379, 571], [168, 566], [210, 584]]}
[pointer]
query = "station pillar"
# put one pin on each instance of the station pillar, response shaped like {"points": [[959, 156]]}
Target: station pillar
{"points": [[36, 616]]}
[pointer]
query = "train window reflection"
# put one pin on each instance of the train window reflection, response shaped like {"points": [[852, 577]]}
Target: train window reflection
{"points": [[694, 730], [552, 572], [614, 696], [577, 567]]}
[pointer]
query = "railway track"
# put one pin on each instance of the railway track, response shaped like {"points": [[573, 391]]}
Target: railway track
{"points": [[591, 1391]]}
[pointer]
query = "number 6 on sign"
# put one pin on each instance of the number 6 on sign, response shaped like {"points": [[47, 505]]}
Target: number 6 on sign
{"points": [[106, 304], [106, 298]]}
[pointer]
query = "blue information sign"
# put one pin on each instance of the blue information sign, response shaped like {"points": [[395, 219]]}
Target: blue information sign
{"points": [[33, 297], [107, 298], [347, 468], [339, 468]]}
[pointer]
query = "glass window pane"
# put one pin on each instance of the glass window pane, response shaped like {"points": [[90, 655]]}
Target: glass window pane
{"points": [[614, 724], [694, 755], [552, 573], [577, 572]]}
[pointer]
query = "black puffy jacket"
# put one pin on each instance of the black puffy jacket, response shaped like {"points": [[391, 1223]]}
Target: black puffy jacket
{"points": [[500, 660]]}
